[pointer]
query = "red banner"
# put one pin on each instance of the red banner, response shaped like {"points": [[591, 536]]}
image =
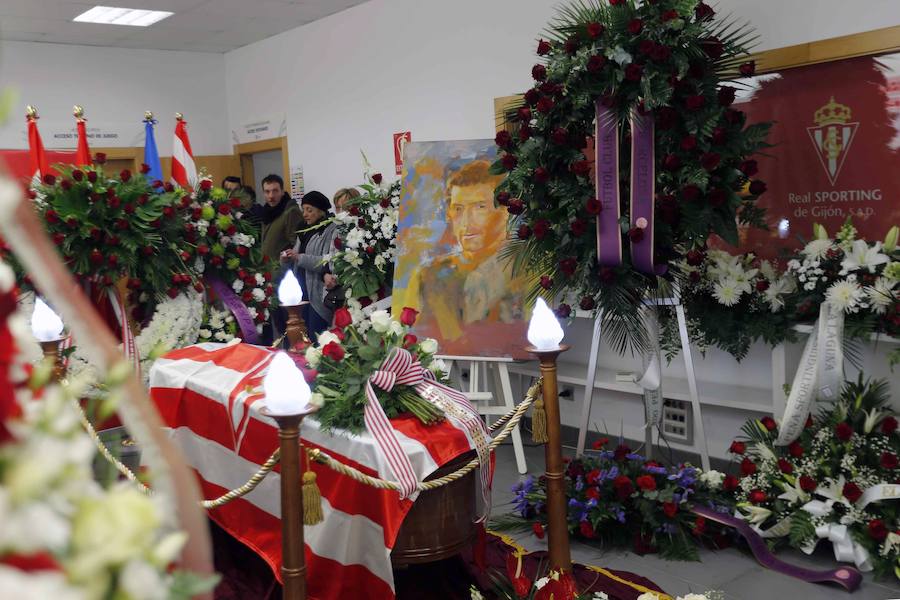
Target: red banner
{"points": [[400, 142], [836, 153], [18, 162]]}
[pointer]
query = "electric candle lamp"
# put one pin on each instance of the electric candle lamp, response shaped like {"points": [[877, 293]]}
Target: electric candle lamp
{"points": [[289, 291], [290, 295], [544, 331], [47, 327], [286, 391]]}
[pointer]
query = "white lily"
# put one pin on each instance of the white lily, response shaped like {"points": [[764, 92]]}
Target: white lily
{"points": [[862, 256], [872, 419], [756, 515], [794, 494], [764, 452]]}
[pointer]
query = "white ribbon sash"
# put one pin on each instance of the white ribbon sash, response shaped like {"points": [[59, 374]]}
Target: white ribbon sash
{"points": [[651, 379]]}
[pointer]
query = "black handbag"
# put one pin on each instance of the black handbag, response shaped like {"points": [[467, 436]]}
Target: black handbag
{"points": [[334, 298]]}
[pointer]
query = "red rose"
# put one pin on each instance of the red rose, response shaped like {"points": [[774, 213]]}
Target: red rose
{"points": [[726, 96], [224, 209], [730, 483], [749, 168], [342, 318], [92, 176], [503, 139], [235, 202], [617, 2], [509, 162], [100, 158], [852, 492], [142, 199], [595, 63], [888, 425], [670, 509], [168, 187], [409, 340], [717, 197], [690, 192], [807, 483], [592, 493], [671, 162], [408, 316], [524, 132], [147, 250], [49, 179], [747, 467], [695, 102], [586, 529], [748, 69], [65, 184], [710, 160], [516, 206], [578, 227], [594, 30], [699, 526], [538, 530], [646, 47], [634, 72], [599, 444], [669, 15], [543, 47], [568, 266], [688, 143], [719, 136], [769, 423], [621, 452], [843, 431], [593, 206], [737, 447], [889, 460], [172, 293], [757, 187], [334, 351], [757, 497], [703, 11], [59, 238], [795, 449], [636, 234], [524, 114], [878, 531], [587, 303], [761, 285], [546, 282], [242, 250], [559, 136], [539, 72], [353, 211], [713, 47], [145, 168], [784, 466], [125, 175], [96, 257], [77, 174], [524, 232], [545, 105], [563, 311], [646, 482], [635, 26], [581, 167], [623, 486], [607, 274], [734, 117], [541, 175]]}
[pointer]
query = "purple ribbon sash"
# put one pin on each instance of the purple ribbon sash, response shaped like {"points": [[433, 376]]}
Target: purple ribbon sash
{"points": [[606, 157], [846, 577], [238, 309], [643, 193]]}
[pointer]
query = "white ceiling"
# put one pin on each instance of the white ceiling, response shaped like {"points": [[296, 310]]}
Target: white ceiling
{"points": [[197, 25]]}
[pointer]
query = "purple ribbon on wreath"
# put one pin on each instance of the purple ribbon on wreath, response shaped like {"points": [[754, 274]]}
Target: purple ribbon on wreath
{"points": [[234, 304]]}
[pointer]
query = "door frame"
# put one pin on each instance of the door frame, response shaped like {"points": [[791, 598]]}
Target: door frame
{"points": [[245, 153]]}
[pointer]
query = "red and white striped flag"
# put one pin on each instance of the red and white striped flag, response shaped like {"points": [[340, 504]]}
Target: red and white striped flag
{"points": [[184, 172], [39, 164]]}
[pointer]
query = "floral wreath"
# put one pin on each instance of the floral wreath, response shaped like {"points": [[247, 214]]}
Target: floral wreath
{"points": [[659, 62]]}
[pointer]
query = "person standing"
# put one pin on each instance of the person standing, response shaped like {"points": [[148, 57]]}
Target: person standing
{"points": [[280, 216], [310, 259]]}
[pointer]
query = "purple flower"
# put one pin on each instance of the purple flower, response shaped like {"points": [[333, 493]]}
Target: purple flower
{"points": [[634, 456], [685, 477], [611, 474], [521, 490], [620, 515], [579, 484], [655, 470]]}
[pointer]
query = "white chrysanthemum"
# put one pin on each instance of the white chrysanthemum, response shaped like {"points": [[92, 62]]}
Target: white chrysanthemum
{"points": [[712, 478], [258, 294], [817, 249], [727, 292], [237, 286], [845, 295], [861, 256], [881, 294], [205, 334]]}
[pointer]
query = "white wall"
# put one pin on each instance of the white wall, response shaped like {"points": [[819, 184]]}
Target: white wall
{"points": [[117, 85], [349, 81]]}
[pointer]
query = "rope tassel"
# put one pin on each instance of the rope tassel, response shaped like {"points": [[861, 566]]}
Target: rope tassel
{"points": [[539, 422], [312, 500]]}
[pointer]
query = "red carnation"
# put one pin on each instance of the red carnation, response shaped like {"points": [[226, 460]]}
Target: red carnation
{"points": [[516, 206], [539, 72], [509, 162], [621, 452], [878, 531], [695, 102], [710, 160], [593, 206], [889, 460], [545, 105], [748, 467], [748, 69], [586, 529], [757, 497], [749, 168], [100, 158], [541, 175], [670, 509], [852, 492], [125, 175], [784, 466], [408, 316], [761, 285], [843, 431], [503, 139], [807, 483], [334, 351], [543, 47], [235, 202], [730, 483], [769, 423], [646, 482], [795, 449], [634, 72], [623, 486], [376, 178], [757, 187], [224, 209], [737, 447]]}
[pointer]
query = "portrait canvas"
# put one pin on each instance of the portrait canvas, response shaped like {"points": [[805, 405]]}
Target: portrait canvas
{"points": [[450, 239]]}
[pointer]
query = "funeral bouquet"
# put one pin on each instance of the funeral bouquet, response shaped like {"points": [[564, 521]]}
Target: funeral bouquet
{"points": [[220, 244], [620, 499], [366, 243], [732, 301], [833, 482], [855, 276], [372, 355], [62, 534]]}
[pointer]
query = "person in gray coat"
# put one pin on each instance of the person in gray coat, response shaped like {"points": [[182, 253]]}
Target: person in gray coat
{"points": [[309, 258]]}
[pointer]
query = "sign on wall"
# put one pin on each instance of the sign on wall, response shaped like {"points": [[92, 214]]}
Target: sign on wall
{"points": [[400, 142], [264, 128], [836, 149], [102, 134]]}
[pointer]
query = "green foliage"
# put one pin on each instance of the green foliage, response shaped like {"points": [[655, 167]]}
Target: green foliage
{"points": [[802, 529]]}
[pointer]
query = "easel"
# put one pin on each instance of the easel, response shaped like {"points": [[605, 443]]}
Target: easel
{"points": [[588, 399], [479, 395]]}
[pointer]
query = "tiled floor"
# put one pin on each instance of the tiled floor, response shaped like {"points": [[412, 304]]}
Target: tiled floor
{"points": [[732, 571]]}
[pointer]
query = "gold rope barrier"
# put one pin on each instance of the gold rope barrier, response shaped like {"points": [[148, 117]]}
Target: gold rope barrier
{"points": [[508, 421]]}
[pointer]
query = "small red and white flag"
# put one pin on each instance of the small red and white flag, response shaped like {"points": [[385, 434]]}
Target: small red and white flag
{"points": [[38, 162], [184, 172]]}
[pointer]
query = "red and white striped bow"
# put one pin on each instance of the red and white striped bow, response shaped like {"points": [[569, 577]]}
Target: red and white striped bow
{"points": [[401, 368]]}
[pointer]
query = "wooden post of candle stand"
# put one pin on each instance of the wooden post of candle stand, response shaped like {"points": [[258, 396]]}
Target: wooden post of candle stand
{"points": [[52, 354], [295, 327], [557, 528], [293, 561]]}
